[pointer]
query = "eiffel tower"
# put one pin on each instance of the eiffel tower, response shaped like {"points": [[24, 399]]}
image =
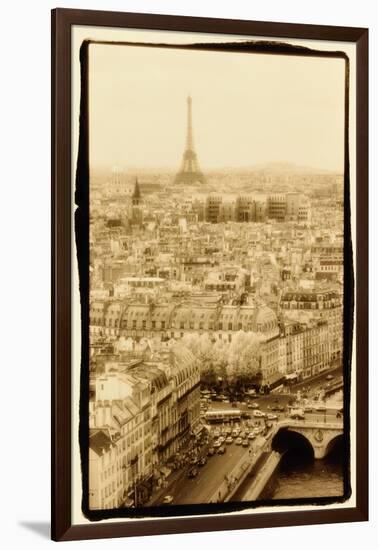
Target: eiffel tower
{"points": [[190, 171]]}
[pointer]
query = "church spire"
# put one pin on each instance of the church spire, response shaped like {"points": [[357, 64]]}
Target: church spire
{"points": [[136, 196]]}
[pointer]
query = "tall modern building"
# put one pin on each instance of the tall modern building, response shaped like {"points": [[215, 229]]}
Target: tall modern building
{"points": [[189, 172]]}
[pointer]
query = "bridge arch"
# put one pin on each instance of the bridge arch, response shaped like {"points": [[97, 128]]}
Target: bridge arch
{"points": [[290, 440], [321, 439], [338, 439]]}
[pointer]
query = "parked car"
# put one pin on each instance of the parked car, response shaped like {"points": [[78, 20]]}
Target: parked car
{"points": [[229, 440], [210, 451], [254, 405], [321, 407], [245, 443], [221, 450], [168, 499], [258, 414], [193, 472], [251, 435], [278, 408], [297, 414], [329, 377], [217, 444], [202, 461], [272, 416], [238, 441]]}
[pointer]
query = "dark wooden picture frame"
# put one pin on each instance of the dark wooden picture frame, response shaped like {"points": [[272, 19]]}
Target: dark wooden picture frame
{"points": [[62, 22]]}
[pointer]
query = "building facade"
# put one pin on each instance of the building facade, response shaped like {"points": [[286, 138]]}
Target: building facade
{"points": [[143, 411]]}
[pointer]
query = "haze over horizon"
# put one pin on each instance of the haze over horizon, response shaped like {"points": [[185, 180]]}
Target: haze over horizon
{"points": [[270, 167], [248, 109]]}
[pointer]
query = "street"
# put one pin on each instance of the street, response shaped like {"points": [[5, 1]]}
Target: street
{"points": [[317, 381], [210, 477]]}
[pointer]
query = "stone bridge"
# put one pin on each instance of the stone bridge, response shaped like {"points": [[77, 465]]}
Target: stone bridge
{"points": [[321, 435]]}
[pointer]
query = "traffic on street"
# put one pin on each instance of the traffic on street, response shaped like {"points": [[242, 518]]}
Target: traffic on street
{"points": [[236, 430]]}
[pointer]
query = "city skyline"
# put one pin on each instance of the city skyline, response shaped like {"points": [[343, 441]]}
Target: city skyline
{"points": [[216, 294], [288, 110], [216, 345]]}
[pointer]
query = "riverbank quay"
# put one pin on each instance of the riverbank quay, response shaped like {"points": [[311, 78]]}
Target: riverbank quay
{"points": [[263, 476]]}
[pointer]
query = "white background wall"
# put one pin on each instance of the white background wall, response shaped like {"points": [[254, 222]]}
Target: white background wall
{"points": [[25, 273]]}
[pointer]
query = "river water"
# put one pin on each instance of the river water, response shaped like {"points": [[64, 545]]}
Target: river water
{"points": [[300, 476], [311, 478]]}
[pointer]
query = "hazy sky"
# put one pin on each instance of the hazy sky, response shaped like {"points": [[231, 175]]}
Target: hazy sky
{"points": [[247, 108]]}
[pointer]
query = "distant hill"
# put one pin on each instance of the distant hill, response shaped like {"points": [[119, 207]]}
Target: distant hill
{"points": [[291, 168], [275, 168]]}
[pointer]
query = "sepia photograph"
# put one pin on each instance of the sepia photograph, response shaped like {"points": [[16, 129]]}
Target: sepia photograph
{"points": [[218, 367]]}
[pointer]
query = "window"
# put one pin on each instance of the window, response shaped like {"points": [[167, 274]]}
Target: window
{"points": [[153, 324]]}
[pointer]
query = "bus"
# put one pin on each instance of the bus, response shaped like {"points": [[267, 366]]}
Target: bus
{"points": [[223, 415]]}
